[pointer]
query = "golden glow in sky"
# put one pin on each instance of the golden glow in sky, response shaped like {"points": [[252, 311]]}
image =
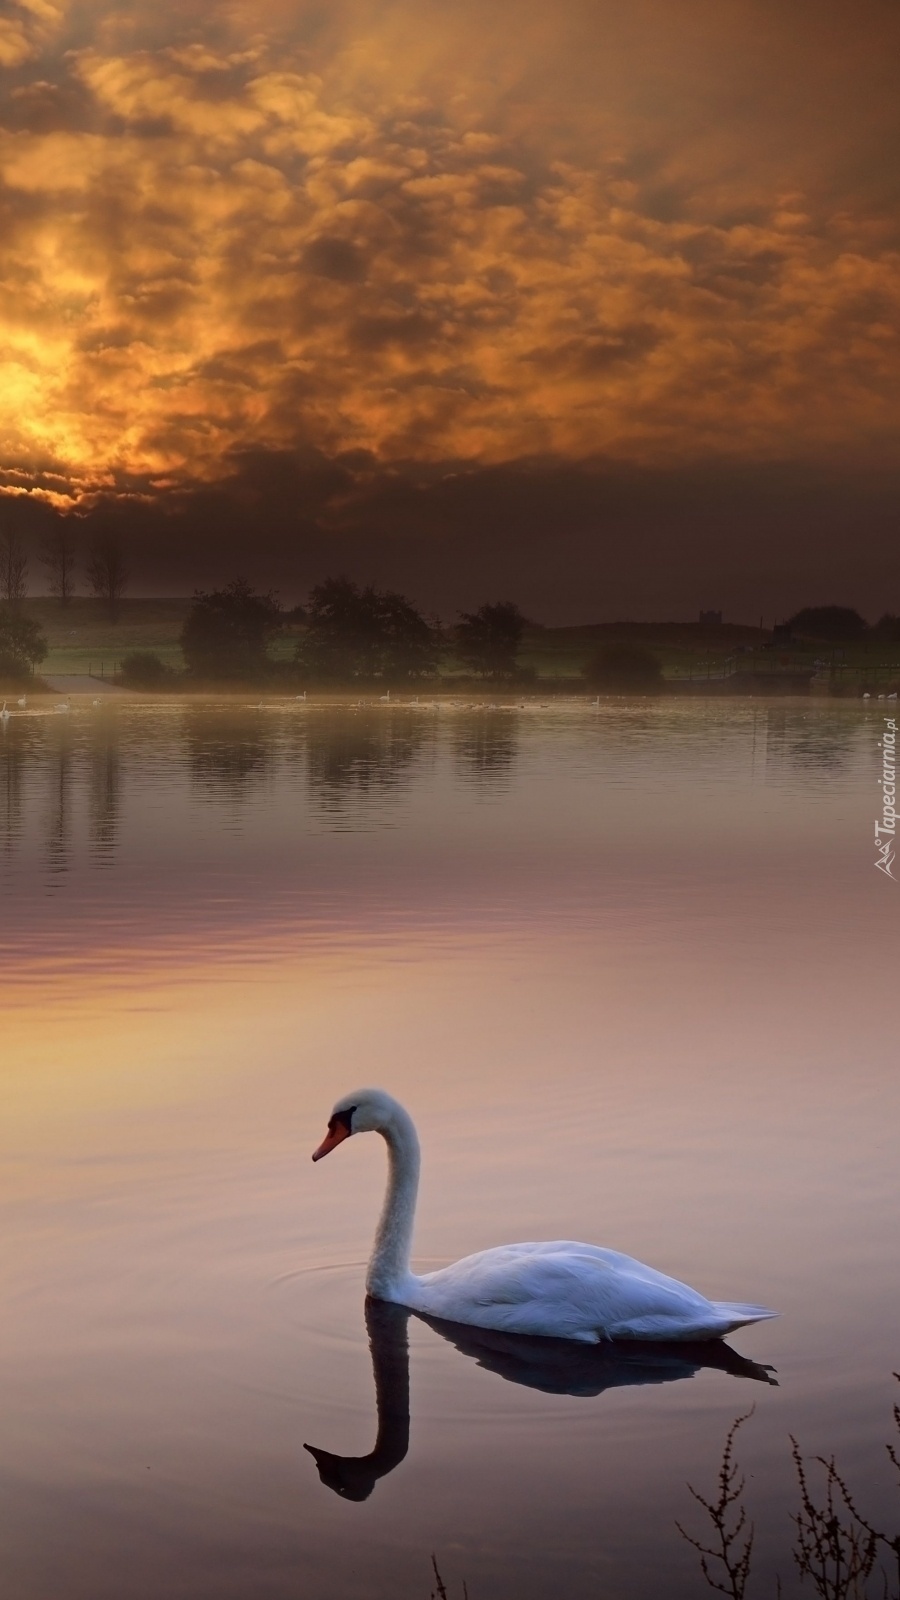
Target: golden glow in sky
{"points": [[436, 234]]}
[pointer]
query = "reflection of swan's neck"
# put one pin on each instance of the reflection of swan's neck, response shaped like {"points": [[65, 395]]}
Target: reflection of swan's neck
{"points": [[388, 1273], [354, 1477]]}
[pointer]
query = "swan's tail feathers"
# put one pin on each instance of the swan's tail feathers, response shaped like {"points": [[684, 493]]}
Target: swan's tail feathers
{"points": [[738, 1315]]}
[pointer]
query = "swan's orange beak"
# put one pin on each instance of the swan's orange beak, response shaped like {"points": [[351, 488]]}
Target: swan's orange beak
{"points": [[333, 1137]]}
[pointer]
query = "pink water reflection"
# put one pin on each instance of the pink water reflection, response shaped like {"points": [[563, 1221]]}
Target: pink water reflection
{"points": [[634, 977]]}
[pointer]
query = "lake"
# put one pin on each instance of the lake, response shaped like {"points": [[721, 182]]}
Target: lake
{"points": [[632, 971]]}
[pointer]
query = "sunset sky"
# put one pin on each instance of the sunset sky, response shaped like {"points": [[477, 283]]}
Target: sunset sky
{"points": [[593, 305]]}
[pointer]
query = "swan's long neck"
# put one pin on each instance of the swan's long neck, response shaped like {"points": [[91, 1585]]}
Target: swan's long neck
{"points": [[389, 1273]]}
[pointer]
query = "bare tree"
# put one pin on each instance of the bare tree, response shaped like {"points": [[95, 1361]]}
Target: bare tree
{"points": [[107, 571], [58, 556], [13, 567]]}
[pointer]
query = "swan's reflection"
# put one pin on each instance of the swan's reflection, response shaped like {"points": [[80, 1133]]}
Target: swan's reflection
{"points": [[555, 1366], [354, 1477]]}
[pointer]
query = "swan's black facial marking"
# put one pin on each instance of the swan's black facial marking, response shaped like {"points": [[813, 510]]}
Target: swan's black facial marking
{"points": [[345, 1118]]}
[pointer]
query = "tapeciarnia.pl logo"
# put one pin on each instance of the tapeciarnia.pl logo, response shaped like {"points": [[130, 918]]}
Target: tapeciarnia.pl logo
{"points": [[886, 829]]}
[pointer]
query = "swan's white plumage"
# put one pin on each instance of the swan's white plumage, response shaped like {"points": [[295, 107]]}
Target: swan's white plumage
{"points": [[559, 1289]]}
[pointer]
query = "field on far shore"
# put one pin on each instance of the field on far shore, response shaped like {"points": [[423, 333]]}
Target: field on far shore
{"points": [[82, 640]]}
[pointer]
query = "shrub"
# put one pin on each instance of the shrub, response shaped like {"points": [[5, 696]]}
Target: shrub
{"points": [[22, 645], [624, 668], [828, 622], [143, 669]]}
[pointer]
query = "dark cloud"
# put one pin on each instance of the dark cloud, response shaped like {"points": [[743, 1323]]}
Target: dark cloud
{"points": [[335, 258], [569, 544]]}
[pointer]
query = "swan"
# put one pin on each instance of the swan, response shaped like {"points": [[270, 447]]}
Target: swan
{"points": [[558, 1289], [4, 714], [22, 701]]}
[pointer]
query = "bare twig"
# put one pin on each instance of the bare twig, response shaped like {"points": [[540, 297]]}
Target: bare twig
{"points": [[732, 1537], [836, 1552], [441, 1592]]}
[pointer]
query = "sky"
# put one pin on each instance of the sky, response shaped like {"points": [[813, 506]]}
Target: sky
{"points": [[589, 305]]}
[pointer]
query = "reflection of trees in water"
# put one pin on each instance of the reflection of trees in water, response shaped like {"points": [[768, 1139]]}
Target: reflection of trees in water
{"points": [[13, 768], [808, 739], [485, 746], [104, 778], [353, 754], [59, 817], [229, 753]]}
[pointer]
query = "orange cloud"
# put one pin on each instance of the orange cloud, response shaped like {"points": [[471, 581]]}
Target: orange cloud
{"points": [[228, 231]]}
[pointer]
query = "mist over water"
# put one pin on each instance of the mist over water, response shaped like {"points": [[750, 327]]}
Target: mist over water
{"points": [[633, 973]]}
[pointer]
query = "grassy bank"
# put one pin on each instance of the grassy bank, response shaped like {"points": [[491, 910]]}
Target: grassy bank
{"points": [[82, 639]]}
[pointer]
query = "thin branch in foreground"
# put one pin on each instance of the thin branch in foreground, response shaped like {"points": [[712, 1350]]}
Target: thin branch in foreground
{"points": [[732, 1544], [441, 1592], [836, 1552]]}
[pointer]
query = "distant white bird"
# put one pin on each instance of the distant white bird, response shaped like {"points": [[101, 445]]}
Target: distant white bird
{"points": [[881, 697], [63, 707], [385, 696], [95, 702], [867, 695], [892, 695], [22, 701], [300, 696], [4, 714]]}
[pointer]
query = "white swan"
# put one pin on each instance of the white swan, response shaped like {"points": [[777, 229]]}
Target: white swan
{"points": [[4, 714], [558, 1290]]}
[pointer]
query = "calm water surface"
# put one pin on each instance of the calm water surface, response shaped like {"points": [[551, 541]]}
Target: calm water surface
{"points": [[634, 974]]}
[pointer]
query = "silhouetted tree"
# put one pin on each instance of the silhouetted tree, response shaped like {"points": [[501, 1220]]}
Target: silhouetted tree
{"points": [[227, 631], [355, 633], [106, 570], [58, 556], [888, 628], [624, 667], [22, 644], [828, 622], [13, 567], [407, 645], [487, 640]]}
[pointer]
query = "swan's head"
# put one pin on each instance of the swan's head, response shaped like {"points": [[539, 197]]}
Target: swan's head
{"points": [[364, 1111]]}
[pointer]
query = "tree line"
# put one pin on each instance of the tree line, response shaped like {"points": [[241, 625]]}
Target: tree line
{"points": [[350, 633], [104, 566]]}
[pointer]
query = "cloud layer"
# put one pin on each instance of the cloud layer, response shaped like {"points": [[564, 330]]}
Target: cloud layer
{"points": [[402, 239]]}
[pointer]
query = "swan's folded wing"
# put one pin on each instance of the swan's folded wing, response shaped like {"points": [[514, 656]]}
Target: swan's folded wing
{"points": [[566, 1290]]}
